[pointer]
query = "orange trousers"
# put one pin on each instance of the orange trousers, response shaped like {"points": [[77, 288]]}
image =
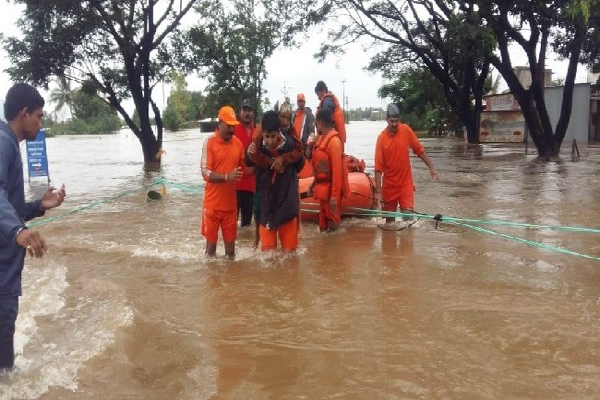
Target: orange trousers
{"points": [[212, 220], [403, 197], [326, 214], [288, 236]]}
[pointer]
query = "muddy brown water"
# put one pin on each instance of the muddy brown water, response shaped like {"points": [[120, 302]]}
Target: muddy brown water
{"points": [[125, 306]]}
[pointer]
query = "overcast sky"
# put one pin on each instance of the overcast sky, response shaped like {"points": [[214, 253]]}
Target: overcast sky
{"points": [[293, 70]]}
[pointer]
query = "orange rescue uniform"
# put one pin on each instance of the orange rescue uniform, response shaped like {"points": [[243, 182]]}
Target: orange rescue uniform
{"points": [[220, 202], [339, 121], [288, 236], [393, 161], [331, 176], [299, 120]]}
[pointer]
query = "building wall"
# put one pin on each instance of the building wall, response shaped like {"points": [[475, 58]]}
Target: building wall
{"points": [[578, 128]]}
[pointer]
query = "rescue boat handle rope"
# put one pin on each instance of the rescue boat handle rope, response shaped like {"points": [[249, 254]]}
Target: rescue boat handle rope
{"points": [[463, 222]]}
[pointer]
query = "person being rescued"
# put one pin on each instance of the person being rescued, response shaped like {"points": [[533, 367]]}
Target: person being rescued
{"points": [[330, 173], [277, 183]]}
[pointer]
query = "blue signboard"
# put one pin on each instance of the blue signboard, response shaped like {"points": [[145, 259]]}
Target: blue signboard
{"points": [[37, 159]]}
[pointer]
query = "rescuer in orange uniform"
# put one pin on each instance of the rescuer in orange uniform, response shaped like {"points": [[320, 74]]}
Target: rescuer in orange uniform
{"points": [[393, 163], [330, 172], [222, 165], [303, 120], [328, 101]]}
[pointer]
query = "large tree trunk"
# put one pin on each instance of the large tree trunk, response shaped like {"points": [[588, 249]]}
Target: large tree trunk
{"points": [[151, 151]]}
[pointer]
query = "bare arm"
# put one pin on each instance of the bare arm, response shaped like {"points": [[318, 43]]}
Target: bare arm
{"points": [[425, 158]]}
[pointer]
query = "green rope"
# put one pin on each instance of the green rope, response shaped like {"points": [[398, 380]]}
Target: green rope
{"points": [[526, 241], [45, 221], [463, 222], [196, 189], [379, 213]]}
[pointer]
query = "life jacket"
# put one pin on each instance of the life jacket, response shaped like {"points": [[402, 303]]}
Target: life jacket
{"points": [[354, 164], [320, 159], [339, 122]]}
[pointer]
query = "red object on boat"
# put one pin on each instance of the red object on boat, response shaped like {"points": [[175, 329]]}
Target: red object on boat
{"points": [[362, 195]]}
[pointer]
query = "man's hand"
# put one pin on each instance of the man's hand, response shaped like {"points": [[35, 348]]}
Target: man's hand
{"points": [[251, 148], [52, 198], [277, 164], [434, 174], [333, 205], [33, 242], [234, 175], [309, 192], [378, 199]]}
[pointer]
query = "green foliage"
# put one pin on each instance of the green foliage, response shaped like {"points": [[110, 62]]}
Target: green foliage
{"points": [[535, 27], [116, 49], [591, 48], [232, 46], [91, 116], [447, 38], [63, 95], [366, 114], [421, 100], [171, 119], [183, 106]]}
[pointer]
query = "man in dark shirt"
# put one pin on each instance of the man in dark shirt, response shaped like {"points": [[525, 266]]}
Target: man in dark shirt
{"points": [[23, 109]]}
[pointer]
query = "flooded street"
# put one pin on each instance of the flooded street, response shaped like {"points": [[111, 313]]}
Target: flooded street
{"points": [[125, 306]]}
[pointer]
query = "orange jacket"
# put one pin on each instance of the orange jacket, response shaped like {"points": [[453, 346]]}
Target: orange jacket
{"points": [[330, 146], [392, 158], [299, 119], [339, 122], [223, 157]]}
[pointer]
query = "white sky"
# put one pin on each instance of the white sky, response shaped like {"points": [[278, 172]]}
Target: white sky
{"points": [[294, 70]]}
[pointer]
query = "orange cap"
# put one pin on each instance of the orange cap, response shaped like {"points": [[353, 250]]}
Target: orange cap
{"points": [[300, 97], [227, 115]]}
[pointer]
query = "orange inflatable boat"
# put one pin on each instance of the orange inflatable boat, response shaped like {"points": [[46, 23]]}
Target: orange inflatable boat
{"points": [[362, 191]]}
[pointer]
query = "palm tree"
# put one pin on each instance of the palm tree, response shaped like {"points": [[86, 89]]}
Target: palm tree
{"points": [[63, 95]]}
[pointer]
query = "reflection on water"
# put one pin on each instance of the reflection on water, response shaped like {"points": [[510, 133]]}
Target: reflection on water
{"points": [[126, 307]]}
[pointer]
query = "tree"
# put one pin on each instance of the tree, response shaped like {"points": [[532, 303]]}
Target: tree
{"points": [[534, 26], [177, 104], [232, 47], [420, 98], [183, 106], [92, 115], [62, 96], [119, 49], [444, 36]]}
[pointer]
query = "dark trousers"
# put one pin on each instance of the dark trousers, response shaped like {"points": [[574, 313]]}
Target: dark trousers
{"points": [[245, 205], [9, 308]]}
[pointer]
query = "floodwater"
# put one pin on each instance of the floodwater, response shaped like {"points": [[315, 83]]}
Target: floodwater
{"points": [[125, 306]]}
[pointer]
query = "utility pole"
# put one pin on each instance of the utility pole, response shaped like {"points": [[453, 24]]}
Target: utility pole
{"points": [[286, 92], [344, 100]]}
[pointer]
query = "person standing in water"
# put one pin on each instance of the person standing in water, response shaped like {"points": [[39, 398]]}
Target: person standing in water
{"points": [[246, 186], [393, 173], [330, 172], [23, 110], [277, 186], [222, 165]]}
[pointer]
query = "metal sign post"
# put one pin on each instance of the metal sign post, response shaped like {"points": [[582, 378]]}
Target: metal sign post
{"points": [[37, 158]]}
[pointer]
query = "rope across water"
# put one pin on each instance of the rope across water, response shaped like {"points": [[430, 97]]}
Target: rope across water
{"points": [[467, 223]]}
